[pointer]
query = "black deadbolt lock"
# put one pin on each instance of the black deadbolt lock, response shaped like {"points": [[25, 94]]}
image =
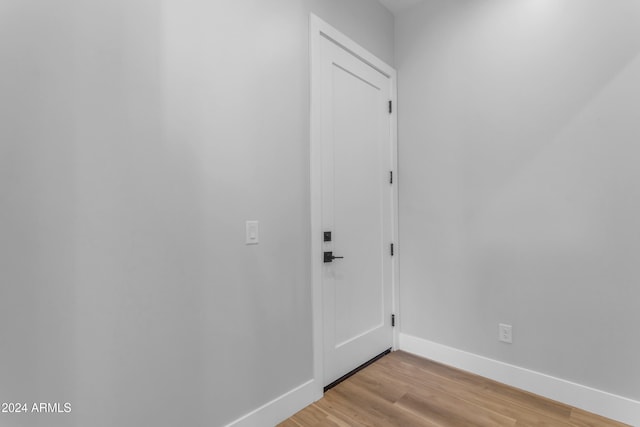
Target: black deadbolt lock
{"points": [[328, 257]]}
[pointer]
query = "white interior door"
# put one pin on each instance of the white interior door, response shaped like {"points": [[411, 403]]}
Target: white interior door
{"points": [[357, 210]]}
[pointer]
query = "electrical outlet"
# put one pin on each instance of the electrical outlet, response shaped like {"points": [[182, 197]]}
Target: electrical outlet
{"points": [[505, 333]]}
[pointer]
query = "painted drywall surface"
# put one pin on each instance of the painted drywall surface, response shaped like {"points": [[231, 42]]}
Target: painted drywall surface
{"points": [[519, 193], [37, 200], [136, 138]]}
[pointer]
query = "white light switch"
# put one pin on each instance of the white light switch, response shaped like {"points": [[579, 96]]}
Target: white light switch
{"points": [[253, 232]]}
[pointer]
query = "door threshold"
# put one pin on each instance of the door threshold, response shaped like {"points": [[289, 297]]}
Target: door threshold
{"points": [[356, 370]]}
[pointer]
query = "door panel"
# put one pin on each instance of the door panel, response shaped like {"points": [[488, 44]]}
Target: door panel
{"points": [[357, 202]]}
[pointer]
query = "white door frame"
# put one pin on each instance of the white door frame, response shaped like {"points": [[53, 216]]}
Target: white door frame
{"points": [[318, 30]]}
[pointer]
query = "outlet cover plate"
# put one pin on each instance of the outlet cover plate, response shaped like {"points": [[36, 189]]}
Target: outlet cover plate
{"points": [[505, 333]]}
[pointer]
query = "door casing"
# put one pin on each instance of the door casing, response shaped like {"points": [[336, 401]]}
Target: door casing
{"points": [[318, 30]]}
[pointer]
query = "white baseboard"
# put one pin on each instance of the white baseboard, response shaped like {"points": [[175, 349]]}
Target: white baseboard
{"points": [[599, 402], [282, 407]]}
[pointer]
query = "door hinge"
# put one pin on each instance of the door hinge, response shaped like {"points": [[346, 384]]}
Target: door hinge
{"points": [[392, 249], [390, 106], [393, 320], [390, 177]]}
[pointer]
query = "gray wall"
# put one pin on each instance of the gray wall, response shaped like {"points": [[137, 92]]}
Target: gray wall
{"points": [[136, 137], [519, 203]]}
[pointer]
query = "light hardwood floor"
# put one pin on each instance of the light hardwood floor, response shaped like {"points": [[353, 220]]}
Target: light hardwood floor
{"points": [[405, 390]]}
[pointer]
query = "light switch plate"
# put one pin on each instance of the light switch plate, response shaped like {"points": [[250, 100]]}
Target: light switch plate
{"points": [[252, 232]]}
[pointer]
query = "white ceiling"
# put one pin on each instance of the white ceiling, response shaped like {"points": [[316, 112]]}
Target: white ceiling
{"points": [[396, 6]]}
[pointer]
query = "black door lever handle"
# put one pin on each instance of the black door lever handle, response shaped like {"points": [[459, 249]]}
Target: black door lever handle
{"points": [[328, 257]]}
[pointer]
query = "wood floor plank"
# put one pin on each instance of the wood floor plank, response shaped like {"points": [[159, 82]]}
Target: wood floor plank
{"points": [[405, 390], [290, 422], [381, 412], [379, 383], [447, 410], [312, 417], [580, 418], [490, 387], [479, 396]]}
